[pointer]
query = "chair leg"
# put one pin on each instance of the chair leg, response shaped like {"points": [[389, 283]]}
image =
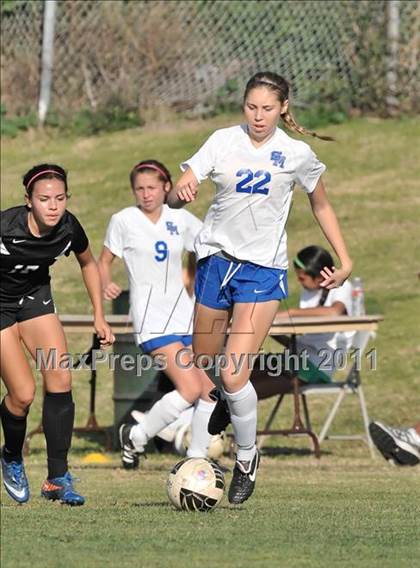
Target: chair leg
{"points": [[306, 412], [365, 416], [274, 412], [331, 416]]}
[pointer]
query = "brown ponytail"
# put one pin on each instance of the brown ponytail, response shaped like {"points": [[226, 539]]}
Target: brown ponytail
{"points": [[289, 121], [281, 87]]}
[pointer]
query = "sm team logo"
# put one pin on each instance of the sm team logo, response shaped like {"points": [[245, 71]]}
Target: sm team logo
{"points": [[172, 228], [278, 159]]}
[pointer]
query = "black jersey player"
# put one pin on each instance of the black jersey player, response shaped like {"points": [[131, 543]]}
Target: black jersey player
{"points": [[33, 237]]}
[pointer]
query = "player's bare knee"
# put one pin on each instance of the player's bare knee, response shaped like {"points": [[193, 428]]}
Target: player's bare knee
{"points": [[58, 380], [19, 403], [232, 382], [190, 393]]}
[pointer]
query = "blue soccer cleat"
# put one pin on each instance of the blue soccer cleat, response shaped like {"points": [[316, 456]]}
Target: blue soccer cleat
{"points": [[15, 480], [61, 488]]}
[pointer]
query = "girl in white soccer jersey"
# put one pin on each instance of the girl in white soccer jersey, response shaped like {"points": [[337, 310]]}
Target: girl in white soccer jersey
{"points": [[242, 246], [151, 238]]}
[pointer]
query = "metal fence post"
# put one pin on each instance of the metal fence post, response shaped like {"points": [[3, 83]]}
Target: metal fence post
{"points": [[393, 36], [47, 59]]}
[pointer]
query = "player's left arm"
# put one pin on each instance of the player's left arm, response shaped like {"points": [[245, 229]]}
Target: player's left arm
{"points": [[326, 217], [92, 280], [336, 309]]}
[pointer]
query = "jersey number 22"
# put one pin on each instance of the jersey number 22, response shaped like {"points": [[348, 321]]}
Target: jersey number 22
{"points": [[253, 182]]}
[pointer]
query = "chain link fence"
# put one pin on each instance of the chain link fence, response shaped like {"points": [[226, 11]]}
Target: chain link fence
{"points": [[198, 54]]}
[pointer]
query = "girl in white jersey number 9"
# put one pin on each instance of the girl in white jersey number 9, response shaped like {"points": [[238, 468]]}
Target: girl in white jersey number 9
{"points": [[241, 248], [151, 238]]}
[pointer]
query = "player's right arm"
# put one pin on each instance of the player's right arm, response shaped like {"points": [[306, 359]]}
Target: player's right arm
{"points": [[195, 170], [184, 191], [110, 289]]}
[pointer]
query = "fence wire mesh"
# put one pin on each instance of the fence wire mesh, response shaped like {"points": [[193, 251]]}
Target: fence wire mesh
{"points": [[187, 54]]}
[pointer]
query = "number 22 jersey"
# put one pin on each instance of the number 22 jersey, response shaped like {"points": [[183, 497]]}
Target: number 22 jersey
{"points": [[254, 189]]}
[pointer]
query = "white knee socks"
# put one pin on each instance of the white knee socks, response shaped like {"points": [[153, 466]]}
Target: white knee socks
{"points": [[163, 412], [243, 412], [200, 438]]}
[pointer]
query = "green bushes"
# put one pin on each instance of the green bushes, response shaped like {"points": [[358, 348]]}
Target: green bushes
{"points": [[86, 122], [11, 125]]}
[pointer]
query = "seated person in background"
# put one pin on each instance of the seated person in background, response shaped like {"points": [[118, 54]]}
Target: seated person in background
{"points": [[318, 365], [398, 445], [309, 264]]}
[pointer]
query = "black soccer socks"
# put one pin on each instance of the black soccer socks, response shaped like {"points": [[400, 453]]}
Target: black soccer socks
{"points": [[57, 422], [14, 429]]}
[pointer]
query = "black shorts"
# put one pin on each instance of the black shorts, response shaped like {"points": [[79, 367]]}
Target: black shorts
{"points": [[38, 302]]}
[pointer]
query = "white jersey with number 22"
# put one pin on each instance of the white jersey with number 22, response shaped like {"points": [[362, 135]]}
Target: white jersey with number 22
{"points": [[253, 193]]}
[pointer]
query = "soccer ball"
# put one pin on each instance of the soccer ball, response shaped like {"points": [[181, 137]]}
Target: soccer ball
{"points": [[182, 442], [217, 446], [195, 484]]}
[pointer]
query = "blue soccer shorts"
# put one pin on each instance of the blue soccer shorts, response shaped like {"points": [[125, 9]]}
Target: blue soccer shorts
{"points": [[221, 282], [162, 340]]}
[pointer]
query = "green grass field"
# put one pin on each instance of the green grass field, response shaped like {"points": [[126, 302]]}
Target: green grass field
{"points": [[346, 509], [337, 512]]}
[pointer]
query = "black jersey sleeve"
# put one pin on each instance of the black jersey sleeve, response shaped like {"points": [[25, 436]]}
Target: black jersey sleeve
{"points": [[79, 242]]}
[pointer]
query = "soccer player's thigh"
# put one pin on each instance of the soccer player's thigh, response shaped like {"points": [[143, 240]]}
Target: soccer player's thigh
{"points": [[210, 327], [188, 380], [45, 335], [250, 326], [15, 371]]}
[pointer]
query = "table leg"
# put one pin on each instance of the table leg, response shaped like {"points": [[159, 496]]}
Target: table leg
{"points": [[92, 423], [297, 427]]}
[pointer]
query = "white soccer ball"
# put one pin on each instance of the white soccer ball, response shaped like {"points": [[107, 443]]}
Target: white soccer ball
{"points": [[195, 484], [217, 446], [182, 442]]}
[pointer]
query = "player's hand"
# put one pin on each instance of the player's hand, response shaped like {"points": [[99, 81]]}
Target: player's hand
{"points": [[111, 291], [334, 278], [104, 332], [187, 192]]}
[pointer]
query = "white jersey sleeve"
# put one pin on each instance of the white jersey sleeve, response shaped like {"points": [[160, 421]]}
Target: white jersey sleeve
{"points": [[320, 347], [193, 226], [114, 238], [341, 294], [203, 162], [309, 170], [312, 298]]}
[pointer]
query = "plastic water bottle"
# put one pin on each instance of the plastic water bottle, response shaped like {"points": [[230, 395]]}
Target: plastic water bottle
{"points": [[358, 298]]}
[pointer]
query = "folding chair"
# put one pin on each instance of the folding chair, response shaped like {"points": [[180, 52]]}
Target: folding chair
{"points": [[351, 384]]}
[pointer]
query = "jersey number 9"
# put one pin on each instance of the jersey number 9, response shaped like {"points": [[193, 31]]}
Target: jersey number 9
{"points": [[161, 249]]}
